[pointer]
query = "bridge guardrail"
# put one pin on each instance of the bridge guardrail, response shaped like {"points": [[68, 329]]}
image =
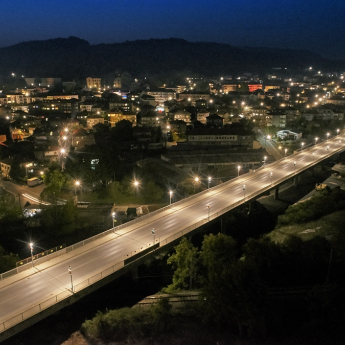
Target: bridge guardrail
{"points": [[112, 269]]}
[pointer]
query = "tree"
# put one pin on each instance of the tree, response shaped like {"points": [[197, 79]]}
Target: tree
{"points": [[7, 260], [184, 261]]}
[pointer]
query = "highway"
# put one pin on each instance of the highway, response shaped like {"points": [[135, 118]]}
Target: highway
{"points": [[46, 280]]}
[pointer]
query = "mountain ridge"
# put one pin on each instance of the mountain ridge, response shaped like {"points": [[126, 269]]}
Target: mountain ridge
{"points": [[73, 57]]}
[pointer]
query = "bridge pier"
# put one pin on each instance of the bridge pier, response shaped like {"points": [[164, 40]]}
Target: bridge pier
{"points": [[134, 273], [276, 192]]}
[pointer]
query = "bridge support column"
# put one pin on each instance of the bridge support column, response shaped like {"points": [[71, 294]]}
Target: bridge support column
{"points": [[134, 272], [276, 191]]}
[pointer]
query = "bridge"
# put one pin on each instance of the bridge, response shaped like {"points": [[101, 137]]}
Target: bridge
{"points": [[39, 288]]}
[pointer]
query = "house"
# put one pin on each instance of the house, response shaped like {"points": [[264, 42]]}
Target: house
{"points": [[214, 120], [7, 163], [160, 95], [182, 115], [289, 134], [276, 117], [93, 120], [92, 83], [192, 96], [152, 119], [117, 116], [201, 116]]}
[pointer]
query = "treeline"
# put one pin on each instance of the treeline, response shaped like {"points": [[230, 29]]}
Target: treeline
{"points": [[237, 289]]}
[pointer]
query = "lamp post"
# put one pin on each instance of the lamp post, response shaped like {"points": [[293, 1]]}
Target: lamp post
{"points": [[244, 191], [285, 153], [271, 175], [136, 185], [238, 170], [196, 181], [170, 195], [209, 179], [63, 151], [154, 235], [294, 163], [114, 220], [338, 130], [208, 212], [76, 184], [32, 255], [70, 272], [327, 135], [302, 144], [316, 139], [327, 147], [265, 160]]}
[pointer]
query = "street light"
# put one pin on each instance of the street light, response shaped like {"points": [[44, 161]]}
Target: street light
{"points": [[265, 160], [208, 212], [76, 184], [170, 195], [271, 175], [338, 130], [313, 155], [113, 215], [302, 144], [285, 153], [327, 135], [244, 191], [209, 179], [316, 139], [70, 272], [238, 170], [154, 235], [32, 256], [327, 147]]}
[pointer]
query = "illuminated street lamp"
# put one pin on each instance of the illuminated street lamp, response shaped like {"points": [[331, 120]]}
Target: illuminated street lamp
{"points": [[238, 170], [265, 160], [327, 135], [114, 220], [208, 212], [271, 175], [338, 130], [327, 147], [316, 139], [76, 184], [32, 256], [302, 144], [196, 179], [70, 272], [244, 191], [170, 195], [209, 179], [285, 152], [313, 155]]}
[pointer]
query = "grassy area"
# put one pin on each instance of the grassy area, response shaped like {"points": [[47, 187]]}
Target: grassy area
{"points": [[326, 225]]}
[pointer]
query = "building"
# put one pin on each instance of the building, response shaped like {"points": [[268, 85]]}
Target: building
{"points": [[152, 120], [182, 115], [220, 136], [202, 115], [117, 82], [117, 116], [194, 96], [276, 118], [254, 86], [93, 83], [161, 95], [226, 88], [93, 120], [289, 135], [214, 120]]}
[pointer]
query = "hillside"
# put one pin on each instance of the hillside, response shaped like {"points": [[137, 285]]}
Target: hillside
{"points": [[76, 58]]}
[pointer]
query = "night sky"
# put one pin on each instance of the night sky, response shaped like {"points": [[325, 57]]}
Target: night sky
{"points": [[317, 25]]}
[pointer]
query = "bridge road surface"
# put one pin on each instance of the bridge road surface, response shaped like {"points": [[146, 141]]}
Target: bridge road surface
{"points": [[45, 281]]}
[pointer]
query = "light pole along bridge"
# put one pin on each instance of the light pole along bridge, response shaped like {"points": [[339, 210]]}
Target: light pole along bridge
{"points": [[37, 289]]}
